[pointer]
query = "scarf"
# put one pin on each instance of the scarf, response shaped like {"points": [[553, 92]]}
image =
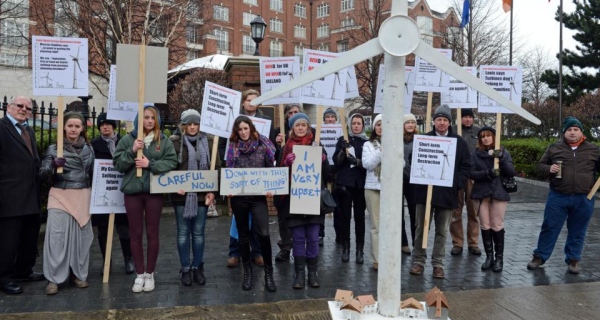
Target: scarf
{"points": [[198, 159], [111, 142], [377, 170], [291, 142], [576, 144], [361, 135], [249, 146], [74, 147], [148, 139]]}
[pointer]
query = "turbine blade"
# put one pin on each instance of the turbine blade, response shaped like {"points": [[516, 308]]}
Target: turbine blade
{"points": [[78, 65], [364, 51], [426, 52]]}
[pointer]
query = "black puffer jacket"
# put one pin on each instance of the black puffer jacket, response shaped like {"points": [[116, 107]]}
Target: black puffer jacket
{"points": [[77, 172], [486, 185]]}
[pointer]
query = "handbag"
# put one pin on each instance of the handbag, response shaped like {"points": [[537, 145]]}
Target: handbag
{"points": [[509, 184], [327, 202]]}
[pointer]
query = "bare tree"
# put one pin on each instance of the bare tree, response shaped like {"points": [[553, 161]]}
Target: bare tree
{"points": [[14, 22], [534, 63], [189, 92]]}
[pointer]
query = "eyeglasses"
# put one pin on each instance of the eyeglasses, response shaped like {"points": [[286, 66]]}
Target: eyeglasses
{"points": [[21, 106]]}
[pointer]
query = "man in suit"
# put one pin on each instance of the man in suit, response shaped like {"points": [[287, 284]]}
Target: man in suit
{"points": [[19, 198]]}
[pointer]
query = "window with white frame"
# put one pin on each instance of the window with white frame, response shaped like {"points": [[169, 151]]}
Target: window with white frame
{"points": [[300, 31], [276, 49], [222, 40], [300, 10], [65, 31], [14, 34], [426, 26], [192, 11], [191, 34], [343, 46], [323, 47], [323, 10], [252, 2], [299, 51], [323, 31], [220, 13], [453, 34], [276, 25], [65, 9], [347, 5], [248, 17], [192, 55], [248, 45], [277, 5], [15, 8], [348, 22], [110, 46], [17, 60]]}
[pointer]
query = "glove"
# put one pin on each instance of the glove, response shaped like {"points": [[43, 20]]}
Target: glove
{"points": [[345, 144], [289, 159], [58, 162], [498, 153], [494, 173], [352, 160], [323, 157]]}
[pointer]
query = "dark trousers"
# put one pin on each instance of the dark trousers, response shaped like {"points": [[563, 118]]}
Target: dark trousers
{"points": [[100, 221], [144, 207], [346, 198], [408, 192], [241, 207], [306, 240], [18, 246], [283, 210]]}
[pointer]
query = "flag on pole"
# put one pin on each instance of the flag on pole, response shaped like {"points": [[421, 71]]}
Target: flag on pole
{"points": [[507, 4], [465, 13]]}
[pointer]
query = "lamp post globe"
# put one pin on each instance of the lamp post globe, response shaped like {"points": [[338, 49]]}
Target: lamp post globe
{"points": [[258, 27]]}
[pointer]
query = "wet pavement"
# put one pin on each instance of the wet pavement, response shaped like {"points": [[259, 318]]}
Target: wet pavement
{"points": [[464, 277]]}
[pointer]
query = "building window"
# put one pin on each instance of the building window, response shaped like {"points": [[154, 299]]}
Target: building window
{"points": [[64, 10], [426, 26], [192, 55], [15, 8], [220, 13], [252, 2], [14, 34], [248, 45], [323, 10], [347, 5], [17, 60], [300, 31], [276, 25], [299, 51], [277, 5], [276, 49], [323, 31], [248, 17], [323, 47], [222, 40], [300, 10], [65, 31], [343, 46], [192, 11], [191, 34], [348, 22]]}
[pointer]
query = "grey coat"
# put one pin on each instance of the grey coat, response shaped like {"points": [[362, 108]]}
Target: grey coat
{"points": [[470, 135], [77, 172]]}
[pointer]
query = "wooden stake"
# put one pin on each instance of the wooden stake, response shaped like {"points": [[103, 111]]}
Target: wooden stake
{"points": [[141, 94], [109, 241], [497, 140], [282, 122], [319, 124], [429, 187], [594, 189], [459, 122], [213, 155], [428, 114], [60, 130]]}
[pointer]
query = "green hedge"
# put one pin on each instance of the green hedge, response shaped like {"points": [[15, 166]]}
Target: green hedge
{"points": [[525, 154]]}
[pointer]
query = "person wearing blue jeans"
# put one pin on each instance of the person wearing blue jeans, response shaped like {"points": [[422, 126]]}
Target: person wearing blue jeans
{"points": [[571, 165]]}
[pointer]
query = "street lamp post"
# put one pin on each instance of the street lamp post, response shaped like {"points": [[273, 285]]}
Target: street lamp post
{"points": [[258, 27]]}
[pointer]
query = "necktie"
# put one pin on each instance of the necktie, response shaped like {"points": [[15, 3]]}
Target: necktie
{"points": [[26, 137]]}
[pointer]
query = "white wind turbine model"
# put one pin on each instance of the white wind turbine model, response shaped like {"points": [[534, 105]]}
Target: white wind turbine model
{"points": [[75, 66], [398, 36]]}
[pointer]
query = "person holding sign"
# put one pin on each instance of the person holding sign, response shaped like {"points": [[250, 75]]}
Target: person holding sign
{"points": [[410, 129], [304, 228], [249, 149], [69, 233], [443, 200], [489, 197], [371, 159], [143, 207], [350, 186], [329, 117], [193, 153], [571, 165], [104, 147]]}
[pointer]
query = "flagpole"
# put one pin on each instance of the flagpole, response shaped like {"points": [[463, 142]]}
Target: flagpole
{"points": [[560, 63], [511, 33]]}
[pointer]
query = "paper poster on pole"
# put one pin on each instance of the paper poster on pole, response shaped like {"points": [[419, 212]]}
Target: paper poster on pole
{"points": [[60, 66], [106, 189], [329, 136], [254, 181], [433, 160], [188, 181], [277, 71], [460, 95], [305, 188], [263, 127], [117, 110], [351, 84], [507, 80], [155, 73], [429, 77], [409, 86], [327, 91], [220, 108]]}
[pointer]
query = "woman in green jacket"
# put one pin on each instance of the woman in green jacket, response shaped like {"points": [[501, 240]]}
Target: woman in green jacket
{"points": [[158, 157]]}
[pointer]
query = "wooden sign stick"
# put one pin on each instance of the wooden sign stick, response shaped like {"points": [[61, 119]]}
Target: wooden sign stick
{"points": [[594, 189], [344, 125], [282, 122], [213, 155], [109, 241], [459, 122], [141, 94], [429, 187], [60, 130], [497, 140], [319, 123]]}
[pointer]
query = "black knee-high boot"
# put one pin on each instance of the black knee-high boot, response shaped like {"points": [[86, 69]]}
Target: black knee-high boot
{"points": [[488, 246], [313, 276], [300, 276], [499, 248]]}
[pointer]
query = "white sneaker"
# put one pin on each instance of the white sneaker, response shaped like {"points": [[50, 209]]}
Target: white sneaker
{"points": [[139, 283], [148, 282]]}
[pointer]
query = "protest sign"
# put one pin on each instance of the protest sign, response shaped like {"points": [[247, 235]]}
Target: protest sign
{"points": [[130, 67], [277, 71], [351, 84], [220, 108], [433, 160], [188, 181], [305, 190], [254, 181], [459, 95], [507, 80], [409, 86], [329, 136], [327, 91], [429, 77], [117, 110], [106, 189]]}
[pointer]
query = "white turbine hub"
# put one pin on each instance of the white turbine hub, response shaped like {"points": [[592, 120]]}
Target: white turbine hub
{"points": [[399, 35]]}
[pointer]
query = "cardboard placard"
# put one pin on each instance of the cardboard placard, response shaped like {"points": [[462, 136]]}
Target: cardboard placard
{"points": [[409, 86], [429, 77], [330, 133], [507, 80], [186, 180], [327, 91], [460, 95], [155, 79], [220, 108], [433, 160], [254, 181], [106, 189], [277, 71], [117, 110], [305, 190]]}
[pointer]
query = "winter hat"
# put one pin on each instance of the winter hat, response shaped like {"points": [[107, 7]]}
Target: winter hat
{"points": [[443, 111], [409, 117], [571, 122], [190, 116], [329, 111], [467, 112], [379, 117], [73, 115], [296, 117], [486, 128], [102, 120]]}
